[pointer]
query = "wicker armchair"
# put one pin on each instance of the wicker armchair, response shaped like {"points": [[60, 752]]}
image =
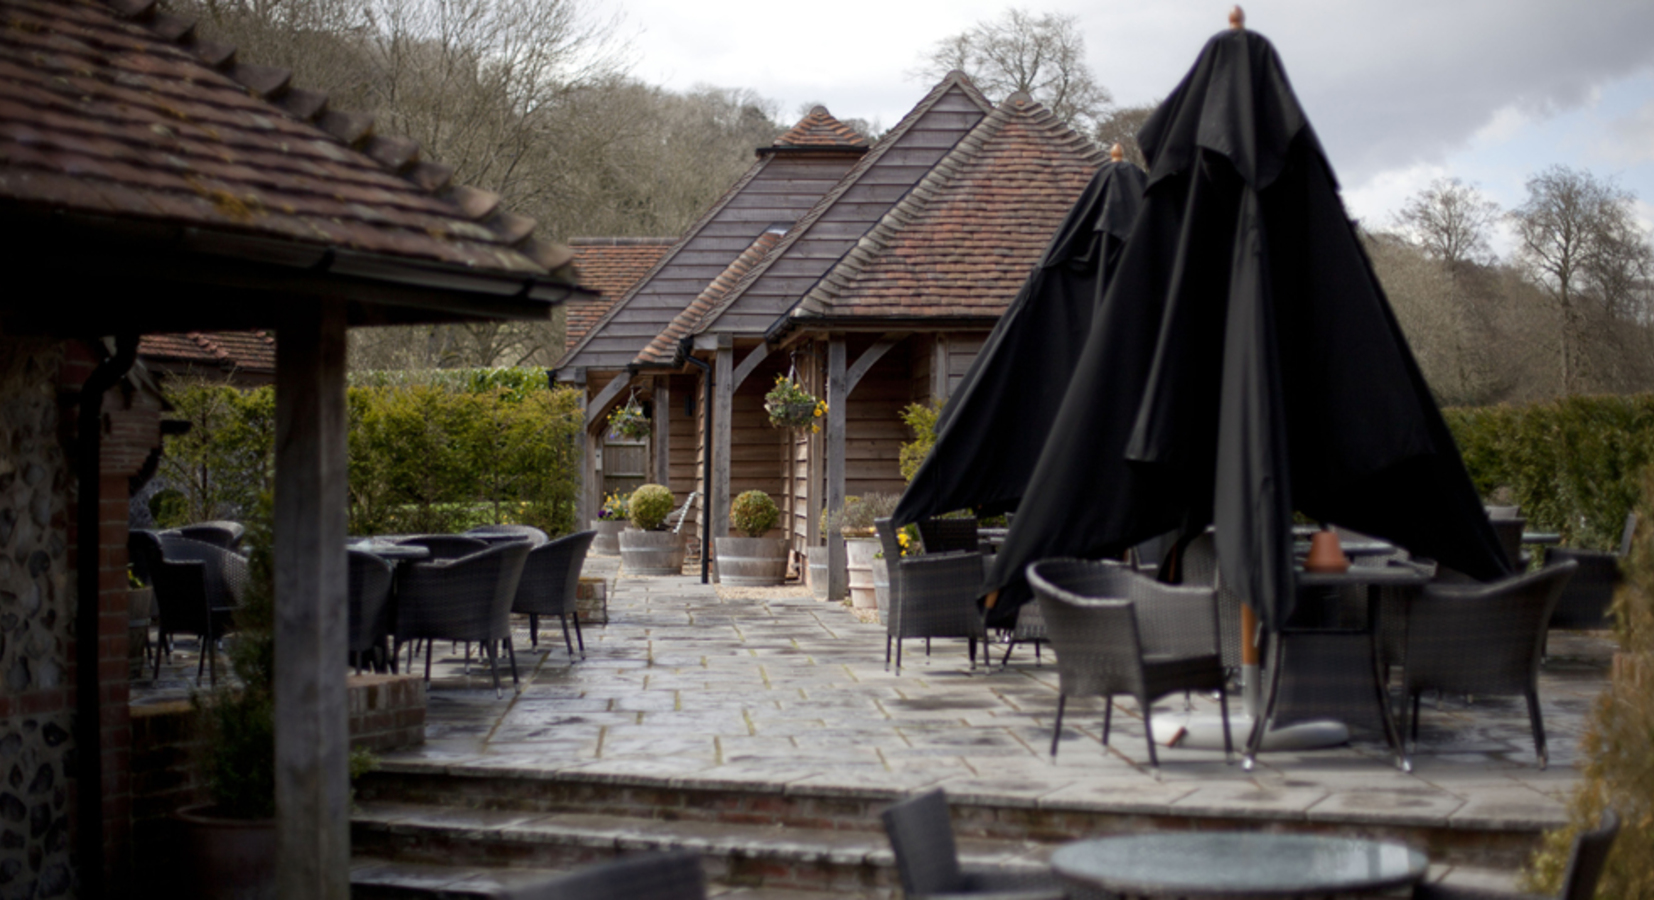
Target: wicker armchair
{"points": [[1116, 631], [642, 876], [1029, 628], [1200, 569], [370, 607], [492, 533], [1585, 601], [1579, 880], [921, 836], [931, 596], [463, 599], [551, 576], [446, 546], [197, 588], [949, 535], [1481, 639], [218, 532]]}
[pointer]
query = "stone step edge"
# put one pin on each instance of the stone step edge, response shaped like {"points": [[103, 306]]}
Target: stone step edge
{"points": [[374, 878], [961, 795], [610, 834]]}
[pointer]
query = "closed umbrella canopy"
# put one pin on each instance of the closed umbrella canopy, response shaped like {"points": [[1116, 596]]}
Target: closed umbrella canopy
{"points": [[1244, 364], [989, 435]]}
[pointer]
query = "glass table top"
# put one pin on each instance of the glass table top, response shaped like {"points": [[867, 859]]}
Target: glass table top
{"points": [[1237, 864]]}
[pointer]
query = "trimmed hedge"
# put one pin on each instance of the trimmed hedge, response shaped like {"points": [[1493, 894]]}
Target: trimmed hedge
{"points": [[427, 452], [1575, 465]]}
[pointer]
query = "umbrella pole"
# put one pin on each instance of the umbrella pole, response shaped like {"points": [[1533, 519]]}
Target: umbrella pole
{"points": [[1250, 682]]}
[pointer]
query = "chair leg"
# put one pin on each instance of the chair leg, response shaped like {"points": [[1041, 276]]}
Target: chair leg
{"points": [[1006, 659], [1223, 710], [566, 642], [970, 647], [1056, 733], [1148, 732], [511, 655], [428, 643], [157, 673], [887, 640], [493, 666], [1538, 728], [579, 639], [533, 631], [898, 656], [1108, 716]]}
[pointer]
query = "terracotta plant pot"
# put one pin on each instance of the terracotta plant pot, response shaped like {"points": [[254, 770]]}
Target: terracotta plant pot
{"points": [[228, 859]]}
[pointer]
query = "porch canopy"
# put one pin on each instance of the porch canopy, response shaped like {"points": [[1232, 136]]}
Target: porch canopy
{"points": [[151, 182], [1244, 364], [990, 433]]}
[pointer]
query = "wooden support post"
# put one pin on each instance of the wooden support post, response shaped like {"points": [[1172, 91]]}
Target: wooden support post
{"points": [[722, 434], [939, 367], [586, 501], [662, 430], [312, 739], [838, 393]]}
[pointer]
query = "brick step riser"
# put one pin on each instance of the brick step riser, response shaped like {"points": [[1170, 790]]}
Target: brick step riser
{"points": [[463, 847], [1489, 848]]}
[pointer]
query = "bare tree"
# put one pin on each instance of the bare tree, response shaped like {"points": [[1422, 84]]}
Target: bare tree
{"points": [[1450, 220], [1580, 243], [1041, 55], [1120, 126]]}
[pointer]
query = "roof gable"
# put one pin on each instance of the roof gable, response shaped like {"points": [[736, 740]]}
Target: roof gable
{"points": [[780, 186], [662, 351], [962, 243], [610, 267], [820, 129], [821, 238]]}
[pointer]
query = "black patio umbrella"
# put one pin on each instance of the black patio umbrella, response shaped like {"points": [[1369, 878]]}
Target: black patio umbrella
{"points": [[989, 435], [1244, 364]]}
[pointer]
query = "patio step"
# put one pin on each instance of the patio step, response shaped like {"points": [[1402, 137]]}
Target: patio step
{"points": [[505, 843], [379, 879]]}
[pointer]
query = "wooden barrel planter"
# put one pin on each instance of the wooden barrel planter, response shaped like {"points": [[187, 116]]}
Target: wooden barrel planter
{"points": [[859, 552], [607, 541], [651, 552], [751, 562]]}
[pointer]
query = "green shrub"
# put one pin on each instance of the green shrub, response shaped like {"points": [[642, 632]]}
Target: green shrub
{"points": [[651, 504], [921, 418], [753, 513]]}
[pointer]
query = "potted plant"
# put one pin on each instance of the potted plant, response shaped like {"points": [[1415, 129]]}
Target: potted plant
{"points": [[610, 522], [629, 422], [232, 840], [754, 560], [861, 543], [651, 549], [790, 406]]}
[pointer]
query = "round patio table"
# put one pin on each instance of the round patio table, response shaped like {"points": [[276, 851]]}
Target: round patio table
{"points": [[1235, 865]]}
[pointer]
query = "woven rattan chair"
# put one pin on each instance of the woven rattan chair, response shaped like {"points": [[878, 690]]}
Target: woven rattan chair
{"points": [[642, 876], [1584, 602], [1029, 628], [446, 546], [1116, 631], [551, 577], [493, 533], [218, 532], [1579, 880], [1200, 569], [1481, 640], [463, 599], [197, 588], [932, 596], [949, 535], [921, 836], [370, 609]]}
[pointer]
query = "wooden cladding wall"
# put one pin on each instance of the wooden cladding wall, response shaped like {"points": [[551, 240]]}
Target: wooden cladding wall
{"points": [[962, 348], [758, 450], [683, 450], [874, 432]]}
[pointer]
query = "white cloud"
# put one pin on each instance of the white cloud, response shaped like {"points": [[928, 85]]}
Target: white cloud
{"points": [[1631, 138]]}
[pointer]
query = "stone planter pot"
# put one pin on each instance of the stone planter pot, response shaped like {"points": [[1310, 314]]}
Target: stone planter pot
{"points": [[881, 585], [228, 859], [651, 552], [817, 572], [607, 541], [751, 562], [859, 555]]}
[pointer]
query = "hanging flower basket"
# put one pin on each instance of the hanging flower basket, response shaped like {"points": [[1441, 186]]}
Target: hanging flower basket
{"points": [[629, 422], [790, 406]]}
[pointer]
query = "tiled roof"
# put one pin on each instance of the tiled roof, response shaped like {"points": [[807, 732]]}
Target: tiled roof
{"points": [[901, 158], [963, 241], [663, 349], [121, 110], [246, 351], [778, 188], [820, 129], [610, 267]]}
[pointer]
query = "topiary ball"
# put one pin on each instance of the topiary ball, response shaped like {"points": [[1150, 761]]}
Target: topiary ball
{"points": [[753, 513], [651, 504]]}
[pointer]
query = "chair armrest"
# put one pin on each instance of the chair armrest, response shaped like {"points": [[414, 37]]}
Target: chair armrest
{"points": [[1177, 621]]}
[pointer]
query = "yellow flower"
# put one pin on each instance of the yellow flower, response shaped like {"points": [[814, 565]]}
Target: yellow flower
{"points": [[815, 429]]}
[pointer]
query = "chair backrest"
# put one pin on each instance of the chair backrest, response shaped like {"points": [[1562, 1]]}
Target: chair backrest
{"points": [[551, 575], [181, 595], [225, 572], [505, 532], [446, 546], [641, 876], [463, 599], [921, 836], [1588, 857], [1199, 568], [370, 591], [1090, 623], [1482, 638], [143, 551], [1627, 534], [946, 535], [218, 532]]}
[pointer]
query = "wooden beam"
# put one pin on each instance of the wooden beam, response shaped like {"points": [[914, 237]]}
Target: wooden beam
{"points": [[723, 365], [662, 431], [868, 357], [838, 391], [749, 363], [939, 367], [596, 405], [312, 736]]}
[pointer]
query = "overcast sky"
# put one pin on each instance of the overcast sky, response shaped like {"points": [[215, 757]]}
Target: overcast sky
{"points": [[1399, 92]]}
